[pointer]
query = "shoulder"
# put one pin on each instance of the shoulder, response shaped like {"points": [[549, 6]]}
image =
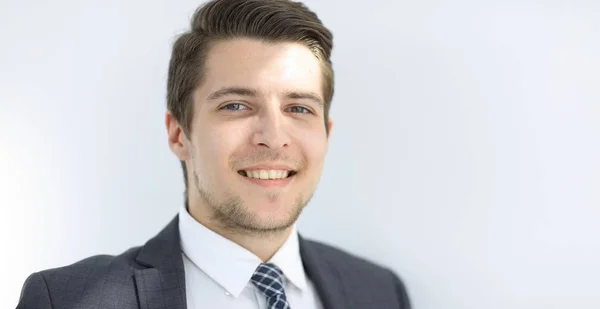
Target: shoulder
{"points": [[344, 259], [89, 274], [360, 271], [95, 267]]}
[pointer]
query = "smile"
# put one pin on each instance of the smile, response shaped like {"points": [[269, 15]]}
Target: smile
{"points": [[267, 174]]}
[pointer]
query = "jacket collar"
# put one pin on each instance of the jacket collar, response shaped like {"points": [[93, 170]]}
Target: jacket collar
{"points": [[161, 285]]}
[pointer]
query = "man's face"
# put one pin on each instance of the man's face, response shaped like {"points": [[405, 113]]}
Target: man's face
{"points": [[258, 136]]}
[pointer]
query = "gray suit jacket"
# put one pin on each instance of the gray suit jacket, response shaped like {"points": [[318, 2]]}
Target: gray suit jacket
{"points": [[152, 277]]}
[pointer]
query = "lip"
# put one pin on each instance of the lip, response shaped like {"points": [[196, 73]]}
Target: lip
{"points": [[270, 183], [268, 167]]}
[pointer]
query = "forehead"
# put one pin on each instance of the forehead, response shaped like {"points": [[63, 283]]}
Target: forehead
{"points": [[267, 67]]}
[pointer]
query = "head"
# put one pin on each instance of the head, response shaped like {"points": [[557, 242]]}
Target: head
{"points": [[248, 97]]}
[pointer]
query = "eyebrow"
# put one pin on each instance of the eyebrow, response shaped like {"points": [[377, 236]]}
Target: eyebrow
{"points": [[249, 92], [304, 95], [240, 91]]}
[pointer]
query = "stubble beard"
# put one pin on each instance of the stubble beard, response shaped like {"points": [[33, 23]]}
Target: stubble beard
{"points": [[233, 215]]}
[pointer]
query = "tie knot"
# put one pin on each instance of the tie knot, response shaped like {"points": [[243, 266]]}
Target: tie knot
{"points": [[268, 278]]}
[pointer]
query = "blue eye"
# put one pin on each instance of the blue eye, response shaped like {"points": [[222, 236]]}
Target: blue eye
{"points": [[300, 110], [234, 107]]}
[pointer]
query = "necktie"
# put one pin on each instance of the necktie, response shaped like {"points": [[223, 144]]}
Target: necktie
{"points": [[268, 278]]}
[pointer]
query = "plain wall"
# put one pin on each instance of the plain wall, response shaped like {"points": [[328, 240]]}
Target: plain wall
{"points": [[464, 155]]}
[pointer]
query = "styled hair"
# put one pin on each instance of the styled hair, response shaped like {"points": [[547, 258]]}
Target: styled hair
{"points": [[271, 21]]}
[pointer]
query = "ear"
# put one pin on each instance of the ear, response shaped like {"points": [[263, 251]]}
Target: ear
{"points": [[329, 127], [178, 142]]}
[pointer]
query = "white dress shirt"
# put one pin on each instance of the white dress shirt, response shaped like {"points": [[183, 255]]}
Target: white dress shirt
{"points": [[218, 271]]}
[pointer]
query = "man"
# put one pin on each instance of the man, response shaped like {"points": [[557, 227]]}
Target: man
{"points": [[249, 91]]}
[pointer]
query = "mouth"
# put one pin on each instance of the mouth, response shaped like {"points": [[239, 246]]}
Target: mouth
{"points": [[267, 174], [268, 178]]}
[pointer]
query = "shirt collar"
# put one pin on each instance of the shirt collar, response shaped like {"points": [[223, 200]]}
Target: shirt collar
{"points": [[288, 259], [231, 265]]}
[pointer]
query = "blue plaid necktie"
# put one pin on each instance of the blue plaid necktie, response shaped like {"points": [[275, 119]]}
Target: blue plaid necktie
{"points": [[268, 278]]}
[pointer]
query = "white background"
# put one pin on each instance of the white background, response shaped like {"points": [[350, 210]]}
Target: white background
{"points": [[465, 153]]}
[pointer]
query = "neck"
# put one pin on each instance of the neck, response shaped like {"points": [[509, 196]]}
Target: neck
{"points": [[263, 244]]}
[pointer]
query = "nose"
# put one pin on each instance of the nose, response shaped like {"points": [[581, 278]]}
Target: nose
{"points": [[271, 132]]}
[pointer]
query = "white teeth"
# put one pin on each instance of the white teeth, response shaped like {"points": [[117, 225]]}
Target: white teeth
{"points": [[272, 174], [267, 174]]}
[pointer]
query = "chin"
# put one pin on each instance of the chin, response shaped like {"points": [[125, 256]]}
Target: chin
{"points": [[270, 213], [267, 208]]}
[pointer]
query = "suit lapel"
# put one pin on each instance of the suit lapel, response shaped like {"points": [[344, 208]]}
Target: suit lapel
{"points": [[161, 285], [325, 276]]}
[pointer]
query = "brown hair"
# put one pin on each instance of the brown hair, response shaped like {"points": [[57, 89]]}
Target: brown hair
{"points": [[266, 20]]}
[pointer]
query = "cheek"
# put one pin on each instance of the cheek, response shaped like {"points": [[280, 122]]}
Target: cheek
{"points": [[218, 144], [314, 147]]}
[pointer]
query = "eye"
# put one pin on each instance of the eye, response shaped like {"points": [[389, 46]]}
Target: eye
{"points": [[234, 107], [299, 110]]}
